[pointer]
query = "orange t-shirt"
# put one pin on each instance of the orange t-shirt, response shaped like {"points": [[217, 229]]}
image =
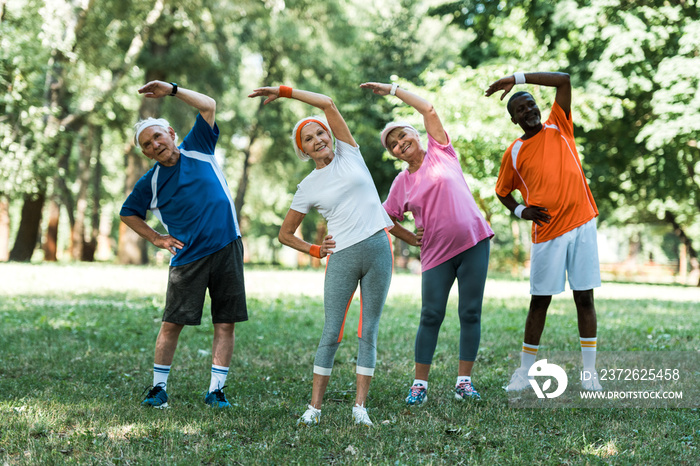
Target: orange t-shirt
{"points": [[547, 171]]}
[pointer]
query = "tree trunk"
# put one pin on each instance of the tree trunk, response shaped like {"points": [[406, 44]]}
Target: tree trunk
{"points": [[28, 232], [245, 173], [691, 252], [61, 120], [253, 133], [242, 183], [51, 240], [104, 248], [132, 249], [90, 245], [4, 229], [78, 235]]}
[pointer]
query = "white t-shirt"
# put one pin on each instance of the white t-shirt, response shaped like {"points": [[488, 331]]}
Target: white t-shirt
{"points": [[343, 192]]}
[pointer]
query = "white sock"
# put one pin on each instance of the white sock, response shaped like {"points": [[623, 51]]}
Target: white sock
{"points": [[421, 382], [528, 355], [588, 352], [218, 377], [463, 378], [160, 375]]}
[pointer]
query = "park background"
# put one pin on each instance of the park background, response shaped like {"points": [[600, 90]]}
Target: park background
{"points": [[81, 298], [69, 71]]}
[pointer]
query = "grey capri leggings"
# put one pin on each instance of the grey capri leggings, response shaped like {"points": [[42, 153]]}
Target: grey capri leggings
{"points": [[469, 268], [370, 263]]}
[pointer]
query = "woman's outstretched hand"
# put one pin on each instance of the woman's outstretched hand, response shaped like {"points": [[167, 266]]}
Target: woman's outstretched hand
{"points": [[272, 93], [377, 88]]}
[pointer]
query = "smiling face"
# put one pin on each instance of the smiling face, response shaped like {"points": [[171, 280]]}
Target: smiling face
{"points": [[158, 143], [316, 142], [525, 112], [404, 144]]}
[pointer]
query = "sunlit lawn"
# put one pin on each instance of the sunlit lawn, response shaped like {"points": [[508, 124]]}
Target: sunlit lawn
{"points": [[76, 353]]}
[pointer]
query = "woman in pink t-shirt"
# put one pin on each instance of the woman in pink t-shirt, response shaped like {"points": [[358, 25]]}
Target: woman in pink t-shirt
{"points": [[451, 232]]}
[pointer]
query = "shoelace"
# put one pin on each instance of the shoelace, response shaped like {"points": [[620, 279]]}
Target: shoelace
{"points": [[416, 389], [466, 386], [152, 390], [311, 414], [219, 394], [361, 415]]}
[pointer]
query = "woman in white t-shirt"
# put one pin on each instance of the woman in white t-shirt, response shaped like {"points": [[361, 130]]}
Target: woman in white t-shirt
{"points": [[357, 247]]}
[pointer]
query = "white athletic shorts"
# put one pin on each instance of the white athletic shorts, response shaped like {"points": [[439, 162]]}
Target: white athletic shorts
{"points": [[575, 252]]}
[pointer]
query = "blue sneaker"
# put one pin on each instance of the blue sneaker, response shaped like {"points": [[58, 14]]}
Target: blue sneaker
{"points": [[157, 398], [465, 390], [217, 399], [417, 395]]}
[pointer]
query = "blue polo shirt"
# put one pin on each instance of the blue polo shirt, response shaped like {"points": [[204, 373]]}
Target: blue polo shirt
{"points": [[191, 199]]}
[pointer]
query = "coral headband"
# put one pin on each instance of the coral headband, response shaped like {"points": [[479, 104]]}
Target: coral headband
{"points": [[304, 123]]}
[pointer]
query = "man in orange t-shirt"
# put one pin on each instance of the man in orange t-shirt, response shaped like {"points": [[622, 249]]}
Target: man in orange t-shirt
{"points": [[543, 164]]}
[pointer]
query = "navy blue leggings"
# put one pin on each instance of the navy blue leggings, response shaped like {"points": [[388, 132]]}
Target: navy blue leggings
{"points": [[469, 268]]}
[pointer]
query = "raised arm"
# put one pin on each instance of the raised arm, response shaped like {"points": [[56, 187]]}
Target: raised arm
{"points": [[205, 104], [431, 120], [551, 79], [335, 119]]}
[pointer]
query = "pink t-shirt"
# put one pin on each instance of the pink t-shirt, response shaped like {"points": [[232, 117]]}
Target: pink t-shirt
{"points": [[438, 197]]}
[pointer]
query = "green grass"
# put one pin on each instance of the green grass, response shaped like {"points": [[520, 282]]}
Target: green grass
{"points": [[76, 352]]}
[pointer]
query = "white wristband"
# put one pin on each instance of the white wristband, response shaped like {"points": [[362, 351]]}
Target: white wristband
{"points": [[394, 86], [519, 77], [519, 211]]}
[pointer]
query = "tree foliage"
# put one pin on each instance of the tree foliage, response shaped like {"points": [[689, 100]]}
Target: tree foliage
{"points": [[69, 70]]}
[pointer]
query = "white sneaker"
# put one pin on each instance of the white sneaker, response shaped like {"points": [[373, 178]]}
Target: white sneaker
{"points": [[519, 381], [311, 417], [359, 413], [592, 384]]}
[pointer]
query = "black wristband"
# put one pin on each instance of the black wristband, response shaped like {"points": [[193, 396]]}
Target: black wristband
{"points": [[174, 91]]}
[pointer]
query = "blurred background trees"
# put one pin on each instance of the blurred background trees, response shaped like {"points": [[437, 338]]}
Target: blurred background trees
{"points": [[69, 70]]}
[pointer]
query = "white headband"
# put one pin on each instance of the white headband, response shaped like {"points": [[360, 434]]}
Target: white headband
{"points": [[391, 126], [143, 124]]}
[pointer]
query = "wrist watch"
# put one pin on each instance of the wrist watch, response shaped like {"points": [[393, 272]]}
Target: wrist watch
{"points": [[174, 91]]}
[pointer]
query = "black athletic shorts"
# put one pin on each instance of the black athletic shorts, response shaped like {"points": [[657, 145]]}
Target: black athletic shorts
{"points": [[222, 273]]}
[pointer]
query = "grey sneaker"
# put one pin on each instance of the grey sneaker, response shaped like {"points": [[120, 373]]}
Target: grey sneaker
{"points": [[311, 417], [519, 381], [359, 413], [592, 384]]}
